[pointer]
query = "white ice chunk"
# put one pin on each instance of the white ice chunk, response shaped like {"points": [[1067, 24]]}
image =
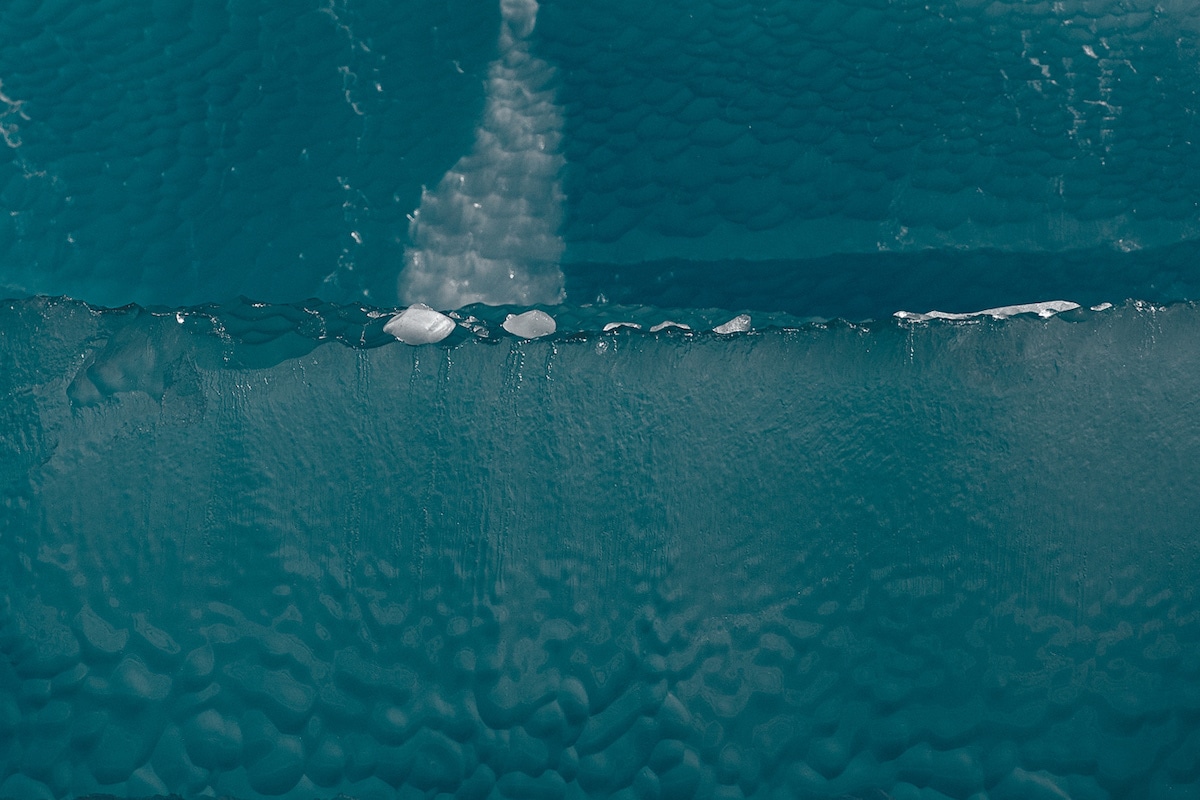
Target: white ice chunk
{"points": [[669, 324], [530, 325], [419, 324], [612, 326], [1046, 309], [1102, 307], [739, 324]]}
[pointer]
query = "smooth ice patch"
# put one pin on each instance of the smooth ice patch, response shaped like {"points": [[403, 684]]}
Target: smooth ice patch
{"points": [[419, 324], [612, 326], [739, 324], [530, 325], [1046, 309]]}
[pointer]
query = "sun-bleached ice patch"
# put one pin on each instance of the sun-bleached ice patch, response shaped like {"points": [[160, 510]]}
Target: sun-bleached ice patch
{"points": [[1046, 309], [665, 324], [612, 326], [1102, 307], [488, 233], [739, 324], [419, 324], [530, 325]]}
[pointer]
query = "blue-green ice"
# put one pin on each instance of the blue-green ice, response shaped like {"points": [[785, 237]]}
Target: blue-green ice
{"points": [[688, 400]]}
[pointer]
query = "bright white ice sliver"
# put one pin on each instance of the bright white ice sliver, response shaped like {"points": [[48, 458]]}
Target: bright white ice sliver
{"points": [[1046, 309], [612, 326], [419, 324], [488, 233], [739, 324], [668, 324], [530, 325]]}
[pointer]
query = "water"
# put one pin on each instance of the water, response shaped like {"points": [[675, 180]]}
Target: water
{"points": [[794, 545]]}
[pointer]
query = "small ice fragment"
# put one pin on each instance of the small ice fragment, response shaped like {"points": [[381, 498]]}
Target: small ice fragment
{"points": [[1102, 307], [739, 324], [1042, 309], [669, 324], [612, 326], [419, 324], [530, 325]]}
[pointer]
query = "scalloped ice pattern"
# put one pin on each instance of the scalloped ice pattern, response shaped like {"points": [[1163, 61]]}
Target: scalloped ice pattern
{"points": [[705, 540], [941, 560]]}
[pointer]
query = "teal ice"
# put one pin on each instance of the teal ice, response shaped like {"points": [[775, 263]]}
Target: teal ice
{"points": [[794, 399]]}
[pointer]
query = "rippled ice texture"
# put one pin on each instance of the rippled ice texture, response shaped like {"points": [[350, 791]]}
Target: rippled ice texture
{"points": [[943, 559], [266, 550]]}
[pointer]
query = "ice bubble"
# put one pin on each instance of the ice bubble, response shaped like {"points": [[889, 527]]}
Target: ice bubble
{"points": [[133, 680], [326, 763], [121, 749], [530, 325], [280, 769], [739, 324], [212, 740], [419, 324], [144, 782], [612, 326], [99, 633], [662, 326]]}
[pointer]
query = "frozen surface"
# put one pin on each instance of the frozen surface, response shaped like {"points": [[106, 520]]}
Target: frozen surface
{"points": [[947, 559]]}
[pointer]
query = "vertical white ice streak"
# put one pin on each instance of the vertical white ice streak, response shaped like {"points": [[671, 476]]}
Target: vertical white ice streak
{"points": [[488, 233]]}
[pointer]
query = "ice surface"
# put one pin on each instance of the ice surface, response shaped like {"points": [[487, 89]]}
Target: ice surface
{"points": [[530, 324], [959, 560], [420, 324]]}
